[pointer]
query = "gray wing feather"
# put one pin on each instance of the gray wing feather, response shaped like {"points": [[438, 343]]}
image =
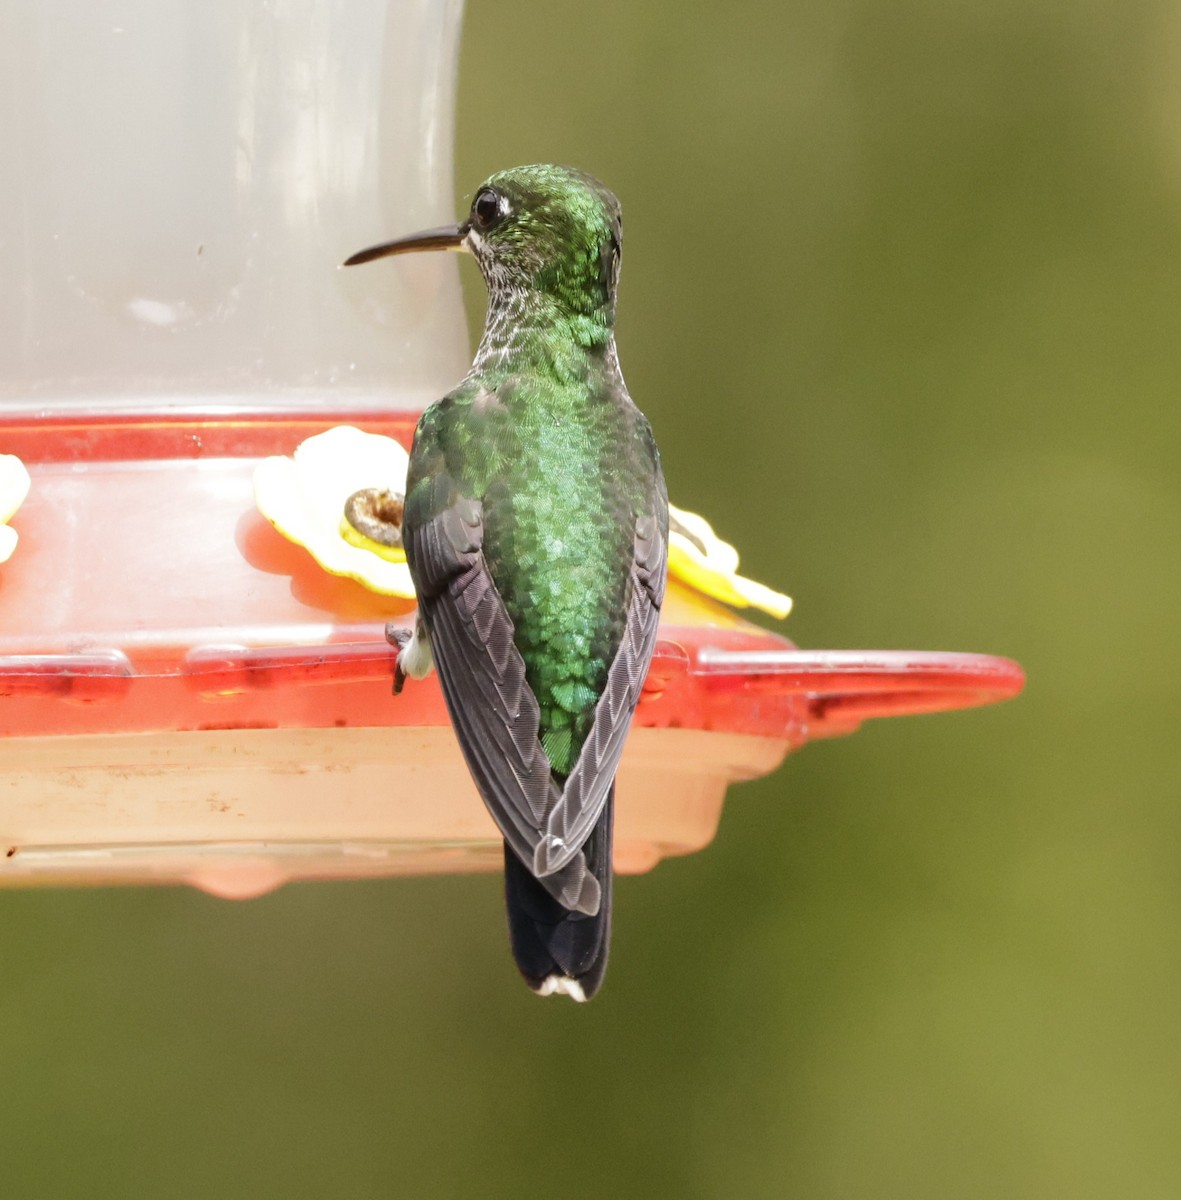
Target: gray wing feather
{"points": [[494, 712], [581, 802], [493, 709]]}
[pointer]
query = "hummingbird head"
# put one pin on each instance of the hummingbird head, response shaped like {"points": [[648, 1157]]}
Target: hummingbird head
{"points": [[539, 231], [548, 229]]}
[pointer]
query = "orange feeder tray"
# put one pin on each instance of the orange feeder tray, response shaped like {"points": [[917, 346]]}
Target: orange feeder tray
{"points": [[188, 697]]}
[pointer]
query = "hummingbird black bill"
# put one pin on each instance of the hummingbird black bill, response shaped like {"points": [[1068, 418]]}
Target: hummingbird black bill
{"points": [[446, 237]]}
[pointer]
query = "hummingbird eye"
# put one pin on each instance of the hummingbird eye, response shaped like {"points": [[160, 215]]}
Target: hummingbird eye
{"points": [[488, 209]]}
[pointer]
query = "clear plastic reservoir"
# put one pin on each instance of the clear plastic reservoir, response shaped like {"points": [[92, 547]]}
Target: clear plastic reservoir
{"points": [[179, 181]]}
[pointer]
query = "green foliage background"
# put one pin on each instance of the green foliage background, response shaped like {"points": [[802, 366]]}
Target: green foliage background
{"points": [[901, 299]]}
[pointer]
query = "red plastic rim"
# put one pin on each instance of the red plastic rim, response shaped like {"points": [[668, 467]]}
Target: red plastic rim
{"points": [[148, 594], [845, 687]]}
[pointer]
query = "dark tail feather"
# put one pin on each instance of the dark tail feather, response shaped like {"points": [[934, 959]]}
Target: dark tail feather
{"points": [[558, 950]]}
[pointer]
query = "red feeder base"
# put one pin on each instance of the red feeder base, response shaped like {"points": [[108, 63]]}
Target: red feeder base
{"points": [[187, 697]]}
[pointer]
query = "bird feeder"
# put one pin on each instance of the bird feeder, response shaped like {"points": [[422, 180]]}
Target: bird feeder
{"points": [[185, 696]]}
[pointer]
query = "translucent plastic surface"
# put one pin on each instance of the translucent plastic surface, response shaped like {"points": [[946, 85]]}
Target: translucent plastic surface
{"points": [[179, 181], [186, 696]]}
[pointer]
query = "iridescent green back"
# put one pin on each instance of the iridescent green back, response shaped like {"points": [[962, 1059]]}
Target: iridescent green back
{"points": [[563, 468]]}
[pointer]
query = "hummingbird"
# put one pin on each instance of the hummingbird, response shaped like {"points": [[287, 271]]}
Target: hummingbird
{"points": [[536, 532]]}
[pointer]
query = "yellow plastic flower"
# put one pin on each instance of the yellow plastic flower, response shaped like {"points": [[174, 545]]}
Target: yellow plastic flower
{"points": [[698, 557], [14, 487], [304, 497]]}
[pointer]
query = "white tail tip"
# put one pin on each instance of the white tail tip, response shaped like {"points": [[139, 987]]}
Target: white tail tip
{"points": [[562, 985]]}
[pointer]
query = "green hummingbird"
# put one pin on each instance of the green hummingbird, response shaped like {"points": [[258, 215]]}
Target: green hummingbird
{"points": [[536, 532]]}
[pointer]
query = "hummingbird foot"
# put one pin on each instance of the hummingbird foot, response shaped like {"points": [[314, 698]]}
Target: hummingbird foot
{"points": [[414, 652]]}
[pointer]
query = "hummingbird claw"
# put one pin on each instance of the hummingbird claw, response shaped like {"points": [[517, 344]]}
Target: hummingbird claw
{"points": [[398, 637], [414, 652]]}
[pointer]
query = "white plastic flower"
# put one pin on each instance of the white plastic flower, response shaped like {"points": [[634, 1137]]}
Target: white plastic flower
{"points": [[14, 487], [698, 557], [304, 498]]}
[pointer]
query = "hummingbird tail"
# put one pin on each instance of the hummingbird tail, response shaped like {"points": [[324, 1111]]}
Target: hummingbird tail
{"points": [[558, 950]]}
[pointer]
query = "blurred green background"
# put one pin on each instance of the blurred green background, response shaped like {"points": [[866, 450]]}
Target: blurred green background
{"points": [[901, 299]]}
